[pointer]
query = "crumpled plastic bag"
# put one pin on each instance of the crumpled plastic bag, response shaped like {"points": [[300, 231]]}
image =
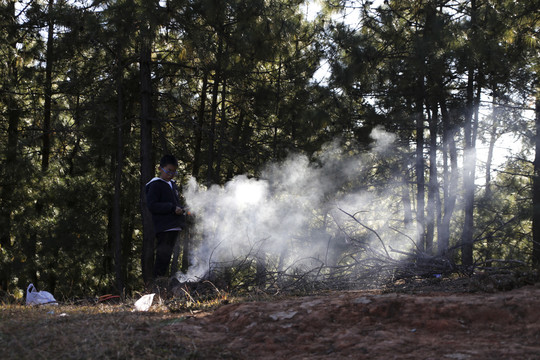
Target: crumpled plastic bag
{"points": [[144, 303], [34, 297]]}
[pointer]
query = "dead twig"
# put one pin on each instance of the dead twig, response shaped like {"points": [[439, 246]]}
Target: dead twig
{"points": [[367, 228]]}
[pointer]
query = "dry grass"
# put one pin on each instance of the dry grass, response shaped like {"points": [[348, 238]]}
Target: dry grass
{"points": [[98, 330], [95, 332], [114, 331]]}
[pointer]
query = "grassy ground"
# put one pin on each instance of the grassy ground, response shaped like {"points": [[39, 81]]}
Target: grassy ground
{"points": [[99, 330], [94, 332]]}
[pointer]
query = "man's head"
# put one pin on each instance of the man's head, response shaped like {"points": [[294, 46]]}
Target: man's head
{"points": [[167, 167]]}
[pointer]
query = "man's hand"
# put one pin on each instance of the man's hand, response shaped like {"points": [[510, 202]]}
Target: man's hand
{"points": [[179, 210]]}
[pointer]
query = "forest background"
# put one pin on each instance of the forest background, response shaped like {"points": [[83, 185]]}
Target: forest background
{"points": [[93, 93]]}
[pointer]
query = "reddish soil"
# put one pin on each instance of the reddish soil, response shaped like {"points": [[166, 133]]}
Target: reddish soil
{"points": [[428, 324]]}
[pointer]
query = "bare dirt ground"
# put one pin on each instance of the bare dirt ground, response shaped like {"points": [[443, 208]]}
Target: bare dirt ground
{"points": [[360, 325], [429, 322]]}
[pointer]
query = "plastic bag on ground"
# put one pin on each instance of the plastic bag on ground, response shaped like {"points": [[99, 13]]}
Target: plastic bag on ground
{"points": [[144, 303], [34, 297]]}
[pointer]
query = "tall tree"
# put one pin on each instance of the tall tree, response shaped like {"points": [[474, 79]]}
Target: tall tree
{"points": [[49, 61], [450, 178], [10, 151], [119, 67], [146, 158], [536, 188]]}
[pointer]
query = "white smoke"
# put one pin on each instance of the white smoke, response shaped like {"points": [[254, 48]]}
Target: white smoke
{"points": [[288, 215], [383, 140]]}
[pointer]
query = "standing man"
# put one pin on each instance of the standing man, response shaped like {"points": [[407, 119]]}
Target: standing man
{"points": [[168, 214]]}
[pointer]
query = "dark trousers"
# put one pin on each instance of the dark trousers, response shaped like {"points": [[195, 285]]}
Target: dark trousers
{"points": [[164, 249]]}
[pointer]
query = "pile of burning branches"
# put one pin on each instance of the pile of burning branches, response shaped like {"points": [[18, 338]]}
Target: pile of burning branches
{"points": [[366, 263], [363, 269]]}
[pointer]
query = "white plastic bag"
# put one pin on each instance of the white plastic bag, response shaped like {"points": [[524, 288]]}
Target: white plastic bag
{"points": [[144, 303], [34, 297]]}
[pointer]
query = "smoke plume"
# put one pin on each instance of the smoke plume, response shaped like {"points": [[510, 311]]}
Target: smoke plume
{"points": [[298, 214]]}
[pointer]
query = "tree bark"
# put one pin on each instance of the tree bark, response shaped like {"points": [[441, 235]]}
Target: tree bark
{"points": [[406, 199], [46, 137], [433, 185], [468, 186], [235, 143], [469, 159], [275, 154], [200, 128], [536, 190], [117, 213], [450, 180], [222, 132], [489, 161], [210, 175], [9, 180], [147, 170], [186, 237], [419, 167]]}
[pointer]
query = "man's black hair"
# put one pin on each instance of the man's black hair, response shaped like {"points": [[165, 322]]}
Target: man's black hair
{"points": [[168, 160]]}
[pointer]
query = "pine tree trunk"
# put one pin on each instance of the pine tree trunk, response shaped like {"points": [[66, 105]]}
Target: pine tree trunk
{"points": [[186, 237], [77, 145], [488, 193], [450, 181], [235, 143], [469, 161], [9, 180], [222, 132], [117, 213], [210, 175], [46, 137], [468, 186], [536, 190], [406, 198], [419, 167], [147, 170], [433, 187], [200, 128], [277, 112]]}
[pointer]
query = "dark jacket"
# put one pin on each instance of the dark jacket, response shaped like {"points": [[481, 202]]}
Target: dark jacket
{"points": [[162, 202]]}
